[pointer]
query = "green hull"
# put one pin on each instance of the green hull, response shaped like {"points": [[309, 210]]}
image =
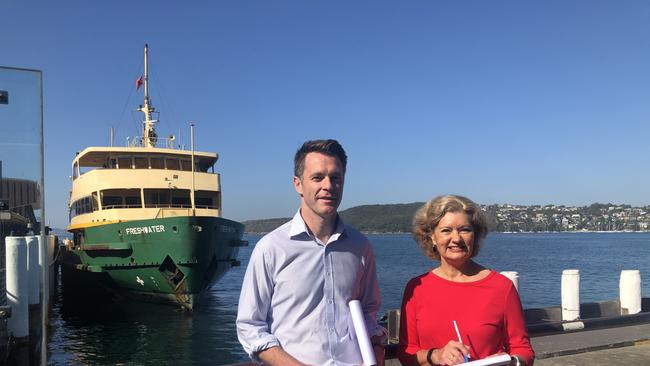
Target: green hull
{"points": [[168, 259]]}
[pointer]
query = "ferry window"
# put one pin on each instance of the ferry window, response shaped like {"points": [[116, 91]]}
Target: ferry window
{"points": [[141, 163], [186, 165], [95, 202], [207, 199], [181, 198], [157, 163], [203, 166], [109, 202], [74, 171], [124, 163], [133, 201], [173, 164], [112, 163], [82, 206], [120, 198], [156, 198]]}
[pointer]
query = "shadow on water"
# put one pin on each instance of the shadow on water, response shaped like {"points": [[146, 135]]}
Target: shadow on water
{"points": [[99, 330]]}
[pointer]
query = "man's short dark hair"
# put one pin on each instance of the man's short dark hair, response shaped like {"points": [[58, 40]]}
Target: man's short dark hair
{"points": [[327, 147]]}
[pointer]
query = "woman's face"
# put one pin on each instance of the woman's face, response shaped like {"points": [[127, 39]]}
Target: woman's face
{"points": [[454, 237]]}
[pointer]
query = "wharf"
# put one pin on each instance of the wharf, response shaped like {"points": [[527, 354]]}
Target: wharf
{"points": [[638, 355], [621, 345], [626, 345]]}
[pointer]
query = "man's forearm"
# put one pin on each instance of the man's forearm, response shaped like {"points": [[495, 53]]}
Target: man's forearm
{"points": [[276, 356]]}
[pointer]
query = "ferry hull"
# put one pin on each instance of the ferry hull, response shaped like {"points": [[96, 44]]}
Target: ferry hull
{"points": [[170, 260]]}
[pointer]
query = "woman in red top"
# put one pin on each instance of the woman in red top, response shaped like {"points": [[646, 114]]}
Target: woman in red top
{"points": [[483, 304]]}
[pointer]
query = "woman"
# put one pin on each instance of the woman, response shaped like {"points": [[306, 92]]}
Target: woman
{"points": [[459, 294]]}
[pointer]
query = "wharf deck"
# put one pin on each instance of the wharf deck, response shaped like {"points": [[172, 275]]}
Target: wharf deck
{"points": [[638, 355], [590, 340], [623, 345], [628, 345]]}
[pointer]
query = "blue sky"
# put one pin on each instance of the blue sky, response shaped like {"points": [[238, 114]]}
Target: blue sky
{"points": [[502, 101]]}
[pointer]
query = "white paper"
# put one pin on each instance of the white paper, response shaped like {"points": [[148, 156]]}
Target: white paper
{"points": [[490, 361], [367, 352]]}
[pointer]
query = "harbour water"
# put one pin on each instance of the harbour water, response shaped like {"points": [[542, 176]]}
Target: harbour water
{"points": [[91, 333]]}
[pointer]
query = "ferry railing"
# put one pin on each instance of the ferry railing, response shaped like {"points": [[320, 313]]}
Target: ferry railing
{"points": [[111, 207], [163, 142], [161, 211]]}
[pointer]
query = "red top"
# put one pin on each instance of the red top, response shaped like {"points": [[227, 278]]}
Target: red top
{"points": [[488, 314]]}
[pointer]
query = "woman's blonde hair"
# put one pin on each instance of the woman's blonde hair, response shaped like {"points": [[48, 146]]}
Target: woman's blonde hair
{"points": [[429, 215]]}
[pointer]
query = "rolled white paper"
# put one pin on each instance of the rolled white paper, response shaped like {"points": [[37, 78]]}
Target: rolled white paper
{"points": [[367, 352], [490, 361]]}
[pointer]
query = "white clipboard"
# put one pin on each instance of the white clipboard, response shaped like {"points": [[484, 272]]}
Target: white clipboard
{"points": [[490, 361]]}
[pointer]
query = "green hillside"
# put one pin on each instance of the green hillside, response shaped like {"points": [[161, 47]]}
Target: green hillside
{"points": [[395, 218]]}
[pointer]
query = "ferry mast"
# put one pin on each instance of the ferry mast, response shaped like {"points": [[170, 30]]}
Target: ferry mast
{"points": [[149, 136]]}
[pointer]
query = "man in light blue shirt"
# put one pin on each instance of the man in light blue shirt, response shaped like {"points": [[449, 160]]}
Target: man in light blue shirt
{"points": [[293, 306]]}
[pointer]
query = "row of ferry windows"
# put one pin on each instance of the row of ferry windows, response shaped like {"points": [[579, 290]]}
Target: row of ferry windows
{"points": [[153, 198], [142, 162]]}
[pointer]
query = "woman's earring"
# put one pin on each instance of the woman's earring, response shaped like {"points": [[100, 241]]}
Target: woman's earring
{"points": [[435, 248]]}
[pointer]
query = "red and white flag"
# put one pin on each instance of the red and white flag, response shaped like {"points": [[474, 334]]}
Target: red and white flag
{"points": [[138, 83]]}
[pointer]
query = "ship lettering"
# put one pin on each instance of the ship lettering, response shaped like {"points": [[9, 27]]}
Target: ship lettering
{"points": [[227, 229], [145, 229]]}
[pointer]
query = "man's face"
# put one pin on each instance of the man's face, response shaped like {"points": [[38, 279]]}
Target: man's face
{"points": [[321, 186]]}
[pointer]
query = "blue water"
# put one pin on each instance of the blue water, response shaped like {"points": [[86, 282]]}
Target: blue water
{"points": [[83, 334]]}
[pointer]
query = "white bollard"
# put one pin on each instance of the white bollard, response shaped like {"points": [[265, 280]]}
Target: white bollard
{"points": [[630, 291], [570, 294], [513, 276], [33, 270], [17, 282]]}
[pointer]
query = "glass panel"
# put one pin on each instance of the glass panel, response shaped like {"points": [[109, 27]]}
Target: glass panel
{"points": [[120, 198], [206, 199], [173, 164], [157, 163], [20, 152], [181, 198], [178, 198], [124, 163], [186, 165], [141, 163]]}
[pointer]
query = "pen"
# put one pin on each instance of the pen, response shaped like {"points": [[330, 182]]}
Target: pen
{"points": [[460, 340]]}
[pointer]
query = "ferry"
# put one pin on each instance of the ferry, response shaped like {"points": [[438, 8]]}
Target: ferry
{"points": [[146, 219]]}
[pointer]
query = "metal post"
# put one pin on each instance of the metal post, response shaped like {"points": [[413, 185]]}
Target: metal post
{"points": [[44, 274], [192, 191]]}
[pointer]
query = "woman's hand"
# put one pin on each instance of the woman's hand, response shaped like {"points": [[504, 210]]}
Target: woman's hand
{"points": [[451, 354]]}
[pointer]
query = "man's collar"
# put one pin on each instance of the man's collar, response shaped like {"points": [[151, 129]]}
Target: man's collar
{"points": [[298, 227]]}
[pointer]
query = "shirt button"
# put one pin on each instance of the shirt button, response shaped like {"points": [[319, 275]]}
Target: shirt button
{"points": [[329, 301]]}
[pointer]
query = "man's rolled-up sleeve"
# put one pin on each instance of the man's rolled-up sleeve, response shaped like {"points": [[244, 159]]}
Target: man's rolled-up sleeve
{"points": [[254, 302]]}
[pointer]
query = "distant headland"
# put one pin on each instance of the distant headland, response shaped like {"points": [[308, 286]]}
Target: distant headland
{"points": [[396, 218]]}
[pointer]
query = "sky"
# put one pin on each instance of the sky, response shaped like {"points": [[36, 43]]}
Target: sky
{"points": [[515, 102]]}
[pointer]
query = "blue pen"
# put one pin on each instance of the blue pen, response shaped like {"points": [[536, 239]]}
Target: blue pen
{"points": [[465, 358]]}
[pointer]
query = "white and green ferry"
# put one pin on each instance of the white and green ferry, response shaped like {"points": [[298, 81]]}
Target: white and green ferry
{"points": [[146, 220]]}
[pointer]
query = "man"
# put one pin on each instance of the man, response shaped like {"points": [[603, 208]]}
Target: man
{"points": [[293, 307]]}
